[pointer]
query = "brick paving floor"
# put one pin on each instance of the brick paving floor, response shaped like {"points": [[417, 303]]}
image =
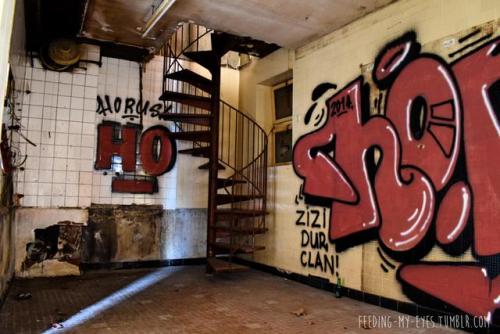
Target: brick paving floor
{"points": [[184, 300]]}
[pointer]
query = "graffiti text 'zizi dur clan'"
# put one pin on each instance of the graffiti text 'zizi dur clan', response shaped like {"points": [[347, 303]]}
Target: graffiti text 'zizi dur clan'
{"points": [[314, 242], [425, 172]]}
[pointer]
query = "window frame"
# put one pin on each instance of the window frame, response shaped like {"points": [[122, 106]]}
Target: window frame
{"points": [[281, 124]]}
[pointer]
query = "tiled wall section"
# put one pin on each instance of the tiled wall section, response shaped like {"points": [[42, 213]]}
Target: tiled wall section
{"points": [[59, 116], [120, 78]]}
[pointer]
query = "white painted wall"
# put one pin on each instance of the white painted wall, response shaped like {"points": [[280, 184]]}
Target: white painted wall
{"points": [[12, 40], [7, 8]]}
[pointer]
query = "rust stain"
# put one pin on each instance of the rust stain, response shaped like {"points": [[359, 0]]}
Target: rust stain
{"points": [[117, 233]]}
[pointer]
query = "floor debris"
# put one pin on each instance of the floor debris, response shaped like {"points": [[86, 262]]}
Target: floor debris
{"points": [[23, 295], [300, 312], [57, 325]]}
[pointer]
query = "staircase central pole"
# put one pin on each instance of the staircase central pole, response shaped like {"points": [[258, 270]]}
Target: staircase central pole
{"points": [[214, 158]]}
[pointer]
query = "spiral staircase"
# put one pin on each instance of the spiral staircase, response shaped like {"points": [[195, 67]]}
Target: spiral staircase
{"points": [[234, 144]]}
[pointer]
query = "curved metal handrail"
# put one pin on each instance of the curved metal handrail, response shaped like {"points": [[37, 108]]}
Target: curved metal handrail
{"points": [[257, 132], [242, 142]]}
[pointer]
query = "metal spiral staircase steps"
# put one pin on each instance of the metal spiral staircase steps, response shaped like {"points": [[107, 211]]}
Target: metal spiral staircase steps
{"points": [[236, 203]]}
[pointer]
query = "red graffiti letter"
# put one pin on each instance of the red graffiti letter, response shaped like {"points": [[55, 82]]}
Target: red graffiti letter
{"points": [[109, 143], [476, 73], [158, 151]]}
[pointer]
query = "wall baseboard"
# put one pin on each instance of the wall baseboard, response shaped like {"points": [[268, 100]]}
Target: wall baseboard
{"points": [[142, 264]]}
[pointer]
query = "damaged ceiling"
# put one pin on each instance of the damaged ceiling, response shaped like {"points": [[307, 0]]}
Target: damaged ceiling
{"points": [[48, 20], [120, 23], [287, 23]]}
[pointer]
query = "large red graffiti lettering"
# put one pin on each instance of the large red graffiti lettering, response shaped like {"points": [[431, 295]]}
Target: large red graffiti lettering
{"points": [[425, 170], [157, 155]]}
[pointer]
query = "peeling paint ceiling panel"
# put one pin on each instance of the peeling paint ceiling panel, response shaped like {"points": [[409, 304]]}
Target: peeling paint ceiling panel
{"points": [[119, 21], [288, 23]]}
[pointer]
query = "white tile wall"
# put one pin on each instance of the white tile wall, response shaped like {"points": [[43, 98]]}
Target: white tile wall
{"points": [[53, 119], [59, 115], [120, 78]]}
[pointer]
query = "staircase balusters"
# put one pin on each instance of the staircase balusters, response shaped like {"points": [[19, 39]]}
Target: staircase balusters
{"points": [[240, 144]]}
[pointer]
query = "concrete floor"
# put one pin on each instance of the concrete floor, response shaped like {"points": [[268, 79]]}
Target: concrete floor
{"points": [[185, 300]]}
